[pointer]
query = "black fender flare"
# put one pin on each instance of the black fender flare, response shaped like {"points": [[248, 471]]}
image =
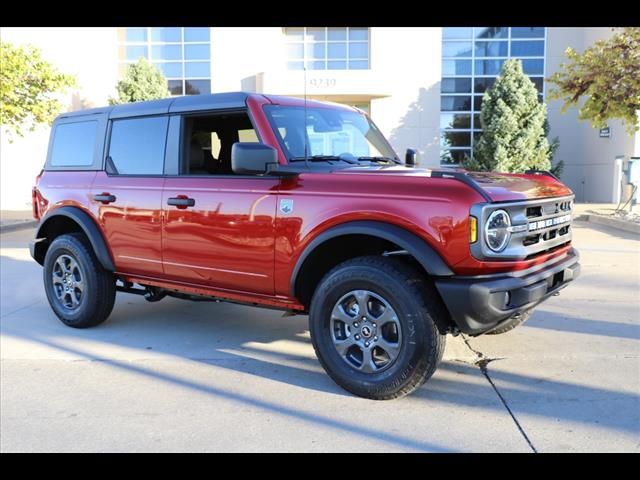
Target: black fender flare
{"points": [[414, 245], [87, 225]]}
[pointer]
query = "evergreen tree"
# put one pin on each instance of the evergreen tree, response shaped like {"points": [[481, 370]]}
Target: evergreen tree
{"points": [[513, 123], [143, 81]]}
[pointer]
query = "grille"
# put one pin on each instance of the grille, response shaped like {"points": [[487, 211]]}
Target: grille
{"points": [[540, 216], [539, 226]]}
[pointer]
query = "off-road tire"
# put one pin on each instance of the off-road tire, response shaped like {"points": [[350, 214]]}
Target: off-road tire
{"points": [[99, 287], [417, 306]]}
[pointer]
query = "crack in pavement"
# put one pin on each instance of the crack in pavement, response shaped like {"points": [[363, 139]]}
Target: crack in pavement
{"points": [[482, 362]]}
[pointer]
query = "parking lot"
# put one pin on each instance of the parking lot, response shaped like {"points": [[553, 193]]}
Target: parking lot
{"points": [[184, 376]]}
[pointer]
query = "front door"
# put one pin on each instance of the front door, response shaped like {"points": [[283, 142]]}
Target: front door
{"points": [[218, 227]]}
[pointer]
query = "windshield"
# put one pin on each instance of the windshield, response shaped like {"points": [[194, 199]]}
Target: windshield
{"points": [[330, 135]]}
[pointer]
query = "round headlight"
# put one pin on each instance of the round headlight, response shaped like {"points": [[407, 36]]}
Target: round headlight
{"points": [[495, 231]]}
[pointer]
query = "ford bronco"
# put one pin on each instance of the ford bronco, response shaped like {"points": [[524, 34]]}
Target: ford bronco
{"points": [[301, 206]]}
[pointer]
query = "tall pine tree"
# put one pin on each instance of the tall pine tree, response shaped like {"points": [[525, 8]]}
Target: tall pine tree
{"points": [[513, 123]]}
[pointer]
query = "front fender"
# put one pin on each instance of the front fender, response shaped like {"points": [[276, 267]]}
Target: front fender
{"points": [[413, 244]]}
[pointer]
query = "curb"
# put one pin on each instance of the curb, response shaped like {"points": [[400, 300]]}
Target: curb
{"points": [[12, 227], [610, 222]]}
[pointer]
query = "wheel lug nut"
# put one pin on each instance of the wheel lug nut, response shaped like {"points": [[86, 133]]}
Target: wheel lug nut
{"points": [[366, 344], [375, 339], [364, 319], [374, 325], [357, 337], [355, 324]]}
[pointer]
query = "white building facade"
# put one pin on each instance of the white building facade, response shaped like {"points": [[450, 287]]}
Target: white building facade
{"points": [[422, 85]]}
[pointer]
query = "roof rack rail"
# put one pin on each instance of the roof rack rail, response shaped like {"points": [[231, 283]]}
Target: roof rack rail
{"points": [[541, 172]]}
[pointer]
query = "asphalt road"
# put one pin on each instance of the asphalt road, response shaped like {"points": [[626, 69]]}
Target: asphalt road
{"points": [[183, 376]]}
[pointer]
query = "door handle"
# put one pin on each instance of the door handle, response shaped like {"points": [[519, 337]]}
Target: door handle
{"points": [[181, 202], [104, 198]]}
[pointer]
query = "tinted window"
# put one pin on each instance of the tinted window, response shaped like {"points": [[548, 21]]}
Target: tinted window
{"points": [[527, 32], [74, 144], [456, 85], [456, 49], [137, 145], [197, 87]]}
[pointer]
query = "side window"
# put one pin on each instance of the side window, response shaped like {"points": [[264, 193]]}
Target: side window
{"points": [[137, 146], [74, 144], [207, 142]]}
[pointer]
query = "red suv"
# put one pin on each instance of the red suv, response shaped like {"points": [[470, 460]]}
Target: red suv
{"points": [[300, 206]]}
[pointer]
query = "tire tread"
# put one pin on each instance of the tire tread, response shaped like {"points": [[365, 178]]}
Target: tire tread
{"points": [[429, 302], [103, 298]]}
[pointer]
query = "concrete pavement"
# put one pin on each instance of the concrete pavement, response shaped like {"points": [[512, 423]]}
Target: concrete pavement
{"points": [[183, 376]]}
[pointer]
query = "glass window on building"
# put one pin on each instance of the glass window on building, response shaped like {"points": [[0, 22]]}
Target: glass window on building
{"points": [[183, 55], [327, 48], [471, 60]]}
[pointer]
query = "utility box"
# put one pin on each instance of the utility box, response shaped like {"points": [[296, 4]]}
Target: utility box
{"points": [[631, 181]]}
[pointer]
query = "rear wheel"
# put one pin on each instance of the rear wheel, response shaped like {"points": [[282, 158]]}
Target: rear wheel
{"points": [[372, 327], [80, 291]]}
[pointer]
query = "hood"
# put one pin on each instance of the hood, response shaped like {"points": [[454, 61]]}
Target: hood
{"points": [[517, 186], [499, 187]]}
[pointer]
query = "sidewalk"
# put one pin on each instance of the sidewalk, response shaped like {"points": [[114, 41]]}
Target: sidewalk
{"points": [[11, 220], [606, 214]]}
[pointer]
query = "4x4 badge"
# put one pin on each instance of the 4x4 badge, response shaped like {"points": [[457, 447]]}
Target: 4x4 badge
{"points": [[286, 206]]}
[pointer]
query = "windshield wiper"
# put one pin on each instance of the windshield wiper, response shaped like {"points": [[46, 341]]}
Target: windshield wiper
{"points": [[378, 159], [323, 158]]}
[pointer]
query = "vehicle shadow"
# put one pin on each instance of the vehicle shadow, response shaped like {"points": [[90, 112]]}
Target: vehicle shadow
{"points": [[250, 341], [547, 320]]}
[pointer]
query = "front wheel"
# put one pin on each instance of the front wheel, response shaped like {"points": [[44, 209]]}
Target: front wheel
{"points": [[373, 329], [80, 291]]}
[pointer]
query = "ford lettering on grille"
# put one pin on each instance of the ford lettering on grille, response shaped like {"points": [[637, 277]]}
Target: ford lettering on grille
{"points": [[549, 222]]}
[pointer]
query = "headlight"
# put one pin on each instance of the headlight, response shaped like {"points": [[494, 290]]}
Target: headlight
{"points": [[496, 231]]}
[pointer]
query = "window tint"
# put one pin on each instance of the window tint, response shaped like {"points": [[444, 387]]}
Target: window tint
{"points": [[74, 144], [197, 87], [456, 85], [137, 145]]}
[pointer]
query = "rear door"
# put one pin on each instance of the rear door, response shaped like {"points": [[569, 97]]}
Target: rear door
{"points": [[128, 194]]}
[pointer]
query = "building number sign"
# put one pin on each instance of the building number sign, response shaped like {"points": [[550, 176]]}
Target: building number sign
{"points": [[321, 82]]}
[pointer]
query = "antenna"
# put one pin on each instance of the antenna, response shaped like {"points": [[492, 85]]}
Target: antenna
{"points": [[306, 136]]}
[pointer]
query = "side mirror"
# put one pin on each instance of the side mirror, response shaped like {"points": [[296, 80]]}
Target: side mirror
{"points": [[411, 157], [250, 158]]}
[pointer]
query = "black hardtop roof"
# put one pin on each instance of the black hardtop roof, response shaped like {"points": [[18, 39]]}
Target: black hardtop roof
{"points": [[172, 104]]}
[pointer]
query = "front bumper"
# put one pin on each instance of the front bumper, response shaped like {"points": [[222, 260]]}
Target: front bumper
{"points": [[481, 303]]}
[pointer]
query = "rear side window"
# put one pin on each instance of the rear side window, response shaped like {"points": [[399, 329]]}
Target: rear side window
{"points": [[74, 144], [137, 146]]}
